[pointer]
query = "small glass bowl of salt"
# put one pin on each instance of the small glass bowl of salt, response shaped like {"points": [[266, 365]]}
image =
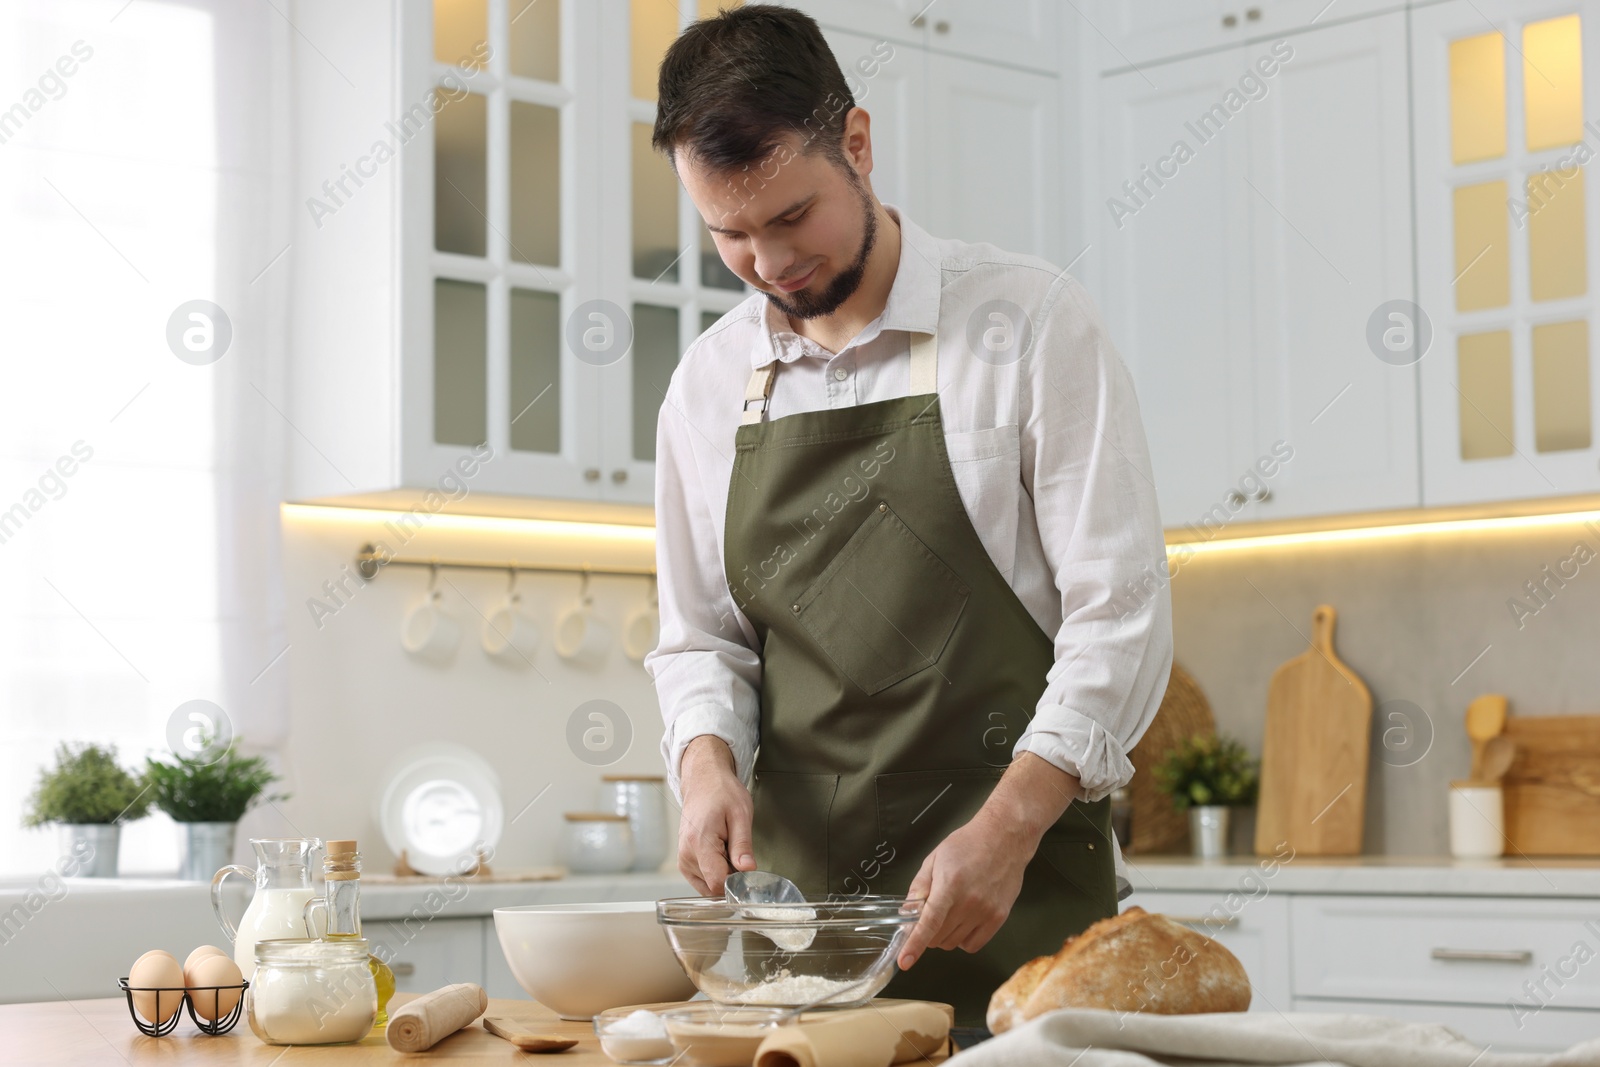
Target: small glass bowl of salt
{"points": [[633, 1035]]}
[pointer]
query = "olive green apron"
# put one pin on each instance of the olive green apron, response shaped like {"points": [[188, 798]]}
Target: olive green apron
{"points": [[899, 671]]}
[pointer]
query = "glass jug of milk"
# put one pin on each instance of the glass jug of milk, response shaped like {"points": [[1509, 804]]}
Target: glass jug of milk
{"points": [[283, 886]]}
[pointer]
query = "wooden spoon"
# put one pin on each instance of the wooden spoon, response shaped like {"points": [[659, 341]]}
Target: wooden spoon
{"points": [[526, 1040], [1486, 717], [1498, 752]]}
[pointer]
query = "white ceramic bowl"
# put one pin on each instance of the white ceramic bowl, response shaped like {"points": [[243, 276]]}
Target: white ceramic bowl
{"points": [[580, 959]]}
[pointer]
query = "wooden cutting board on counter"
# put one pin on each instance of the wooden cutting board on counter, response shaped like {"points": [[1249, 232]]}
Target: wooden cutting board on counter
{"points": [[1552, 791], [1314, 754]]}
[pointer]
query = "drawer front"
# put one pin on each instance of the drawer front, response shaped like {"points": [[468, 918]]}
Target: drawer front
{"points": [[1551, 1030], [1255, 929], [428, 954], [1518, 954]]}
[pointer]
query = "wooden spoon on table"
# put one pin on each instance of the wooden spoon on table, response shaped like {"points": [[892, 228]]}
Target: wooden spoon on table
{"points": [[526, 1040], [1486, 718]]}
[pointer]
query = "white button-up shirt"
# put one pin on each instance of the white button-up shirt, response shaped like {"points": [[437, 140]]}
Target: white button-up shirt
{"points": [[1048, 453]]}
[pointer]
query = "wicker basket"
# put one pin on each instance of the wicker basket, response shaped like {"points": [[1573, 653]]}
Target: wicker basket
{"points": [[1184, 712]]}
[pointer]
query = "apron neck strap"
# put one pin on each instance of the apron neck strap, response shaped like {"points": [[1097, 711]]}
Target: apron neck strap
{"points": [[924, 377]]}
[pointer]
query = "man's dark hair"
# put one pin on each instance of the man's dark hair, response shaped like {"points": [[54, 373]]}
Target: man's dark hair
{"points": [[733, 86]]}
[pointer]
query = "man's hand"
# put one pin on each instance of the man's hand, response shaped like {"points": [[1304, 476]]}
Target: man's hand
{"points": [[714, 832], [971, 880]]}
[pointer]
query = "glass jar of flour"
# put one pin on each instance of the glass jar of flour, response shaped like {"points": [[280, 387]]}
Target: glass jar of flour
{"points": [[309, 992]]}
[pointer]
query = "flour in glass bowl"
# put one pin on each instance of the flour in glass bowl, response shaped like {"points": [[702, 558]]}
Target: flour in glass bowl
{"points": [[788, 940], [792, 990]]}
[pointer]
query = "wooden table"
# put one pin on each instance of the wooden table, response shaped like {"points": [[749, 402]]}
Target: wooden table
{"points": [[83, 1032]]}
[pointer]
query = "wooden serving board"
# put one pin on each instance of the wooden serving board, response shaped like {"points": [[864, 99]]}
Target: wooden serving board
{"points": [[1552, 791], [1314, 754]]}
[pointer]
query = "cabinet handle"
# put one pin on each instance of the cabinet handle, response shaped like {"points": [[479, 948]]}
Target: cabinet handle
{"points": [[941, 26], [1236, 498], [1253, 14], [918, 21], [1262, 494], [403, 970], [592, 474], [1225, 923], [619, 475], [1230, 21], [1484, 955]]}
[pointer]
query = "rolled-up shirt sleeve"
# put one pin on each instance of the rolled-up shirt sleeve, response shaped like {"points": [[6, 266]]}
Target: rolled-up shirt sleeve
{"points": [[705, 668], [1086, 466]]}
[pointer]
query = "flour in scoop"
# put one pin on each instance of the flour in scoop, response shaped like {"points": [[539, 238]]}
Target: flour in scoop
{"points": [[788, 940], [792, 990]]}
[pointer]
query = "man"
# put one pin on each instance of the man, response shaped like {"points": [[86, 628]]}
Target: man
{"points": [[907, 539]]}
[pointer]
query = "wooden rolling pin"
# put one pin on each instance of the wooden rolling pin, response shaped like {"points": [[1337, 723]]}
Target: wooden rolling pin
{"points": [[432, 1017]]}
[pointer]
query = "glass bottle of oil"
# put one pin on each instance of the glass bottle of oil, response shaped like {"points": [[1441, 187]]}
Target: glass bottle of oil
{"points": [[341, 872]]}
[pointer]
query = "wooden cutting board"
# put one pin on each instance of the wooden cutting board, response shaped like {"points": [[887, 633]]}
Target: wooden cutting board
{"points": [[1314, 755], [1552, 791]]}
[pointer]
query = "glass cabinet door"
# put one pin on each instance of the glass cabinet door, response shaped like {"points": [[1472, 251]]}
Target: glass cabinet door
{"points": [[1504, 242], [674, 280], [496, 105]]}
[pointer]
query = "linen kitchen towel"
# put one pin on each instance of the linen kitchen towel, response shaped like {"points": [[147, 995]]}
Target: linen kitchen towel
{"points": [[1082, 1037]]}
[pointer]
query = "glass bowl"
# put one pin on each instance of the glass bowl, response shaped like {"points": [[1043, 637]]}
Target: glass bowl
{"points": [[625, 1042], [713, 1035], [835, 953]]}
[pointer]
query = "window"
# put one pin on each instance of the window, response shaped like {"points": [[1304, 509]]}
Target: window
{"points": [[138, 441]]}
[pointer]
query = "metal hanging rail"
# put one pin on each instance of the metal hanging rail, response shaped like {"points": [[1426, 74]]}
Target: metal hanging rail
{"points": [[369, 562]]}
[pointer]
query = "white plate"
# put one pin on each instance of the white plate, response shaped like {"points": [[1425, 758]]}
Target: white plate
{"points": [[440, 805]]}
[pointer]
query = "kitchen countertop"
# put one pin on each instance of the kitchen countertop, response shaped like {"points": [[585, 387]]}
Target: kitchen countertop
{"points": [[1369, 875], [91, 1031]]}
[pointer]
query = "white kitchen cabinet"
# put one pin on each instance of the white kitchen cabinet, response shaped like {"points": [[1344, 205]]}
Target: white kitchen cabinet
{"points": [[1247, 240], [1175, 280], [992, 156], [1253, 926], [1330, 224], [1015, 33], [1137, 33], [482, 281], [426, 953], [1507, 240], [1514, 972], [1462, 951], [498, 981], [1551, 1030]]}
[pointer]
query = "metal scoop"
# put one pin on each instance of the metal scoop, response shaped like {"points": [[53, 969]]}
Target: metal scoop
{"points": [[760, 887], [751, 891]]}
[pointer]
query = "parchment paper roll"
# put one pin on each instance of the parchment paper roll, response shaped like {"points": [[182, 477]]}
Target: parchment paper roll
{"points": [[862, 1037], [432, 1017]]}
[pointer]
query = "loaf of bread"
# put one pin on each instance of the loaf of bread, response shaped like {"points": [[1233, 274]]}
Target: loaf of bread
{"points": [[1135, 961]]}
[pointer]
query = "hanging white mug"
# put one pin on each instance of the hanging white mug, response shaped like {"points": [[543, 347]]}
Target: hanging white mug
{"points": [[642, 630], [509, 633], [582, 637], [430, 631]]}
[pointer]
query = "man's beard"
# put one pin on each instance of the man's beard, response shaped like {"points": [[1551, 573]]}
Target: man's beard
{"points": [[804, 305]]}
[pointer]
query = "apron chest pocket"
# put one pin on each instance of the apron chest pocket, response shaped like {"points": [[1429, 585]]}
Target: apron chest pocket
{"points": [[885, 606]]}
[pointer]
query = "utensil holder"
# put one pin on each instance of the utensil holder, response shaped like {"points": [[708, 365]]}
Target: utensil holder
{"points": [[216, 1029]]}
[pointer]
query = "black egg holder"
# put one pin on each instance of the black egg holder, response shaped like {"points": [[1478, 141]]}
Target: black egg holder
{"points": [[215, 1029]]}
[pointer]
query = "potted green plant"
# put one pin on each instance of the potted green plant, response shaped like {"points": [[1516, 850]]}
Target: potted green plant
{"points": [[1208, 775], [88, 795], [206, 796]]}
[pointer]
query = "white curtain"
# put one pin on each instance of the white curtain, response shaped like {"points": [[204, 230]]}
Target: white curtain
{"points": [[143, 166]]}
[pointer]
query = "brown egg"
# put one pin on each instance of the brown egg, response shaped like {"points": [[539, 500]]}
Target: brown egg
{"points": [[152, 971], [154, 952], [196, 956], [212, 971]]}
